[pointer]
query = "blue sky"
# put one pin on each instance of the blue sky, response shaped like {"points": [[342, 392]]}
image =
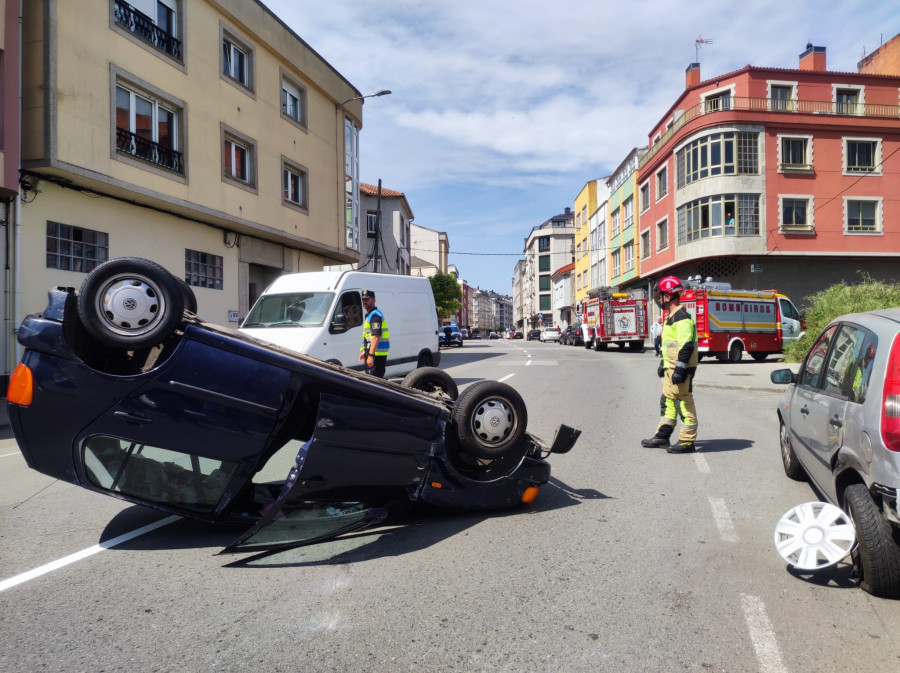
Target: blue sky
{"points": [[502, 110]]}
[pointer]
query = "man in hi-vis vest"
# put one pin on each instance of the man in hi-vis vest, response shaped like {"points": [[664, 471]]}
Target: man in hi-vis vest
{"points": [[677, 369], [376, 337]]}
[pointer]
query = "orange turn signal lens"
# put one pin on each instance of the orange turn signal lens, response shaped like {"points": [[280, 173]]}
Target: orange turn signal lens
{"points": [[530, 494], [21, 386], [436, 484]]}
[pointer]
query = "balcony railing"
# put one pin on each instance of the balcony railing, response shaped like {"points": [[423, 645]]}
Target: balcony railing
{"points": [[838, 109], [142, 25], [142, 148]]}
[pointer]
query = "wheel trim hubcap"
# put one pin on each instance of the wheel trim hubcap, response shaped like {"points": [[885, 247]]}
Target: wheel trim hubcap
{"points": [[131, 305], [493, 421], [814, 535]]}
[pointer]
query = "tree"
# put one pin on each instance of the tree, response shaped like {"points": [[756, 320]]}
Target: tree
{"points": [[447, 294]]}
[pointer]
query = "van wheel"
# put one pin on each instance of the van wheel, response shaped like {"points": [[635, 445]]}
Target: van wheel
{"points": [[735, 353], [877, 557], [130, 303], [432, 380], [490, 419], [425, 360]]}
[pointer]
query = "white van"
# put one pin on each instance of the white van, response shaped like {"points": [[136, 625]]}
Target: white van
{"points": [[320, 314]]}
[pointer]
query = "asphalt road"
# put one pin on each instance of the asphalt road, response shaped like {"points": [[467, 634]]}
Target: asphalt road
{"points": [[631, 559]]}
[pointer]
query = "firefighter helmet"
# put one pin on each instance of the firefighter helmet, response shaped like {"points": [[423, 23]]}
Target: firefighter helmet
{"points": [[669, 285]]}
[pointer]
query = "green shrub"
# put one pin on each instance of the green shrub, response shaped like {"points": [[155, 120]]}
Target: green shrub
{"points": [[839, 299]]}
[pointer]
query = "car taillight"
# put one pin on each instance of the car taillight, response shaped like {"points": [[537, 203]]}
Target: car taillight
{"points": [[21, 386], [890, 410]]}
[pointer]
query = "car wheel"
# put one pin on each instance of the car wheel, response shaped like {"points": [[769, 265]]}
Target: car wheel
{"points": [[792, 466], [735, 353], [130, 303], [190, 299], [490, 419], [759, 357], [877, 557], [432, 380]]}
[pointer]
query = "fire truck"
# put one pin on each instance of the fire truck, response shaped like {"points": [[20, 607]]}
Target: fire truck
{"points": [[731, 322], [614, 318]]}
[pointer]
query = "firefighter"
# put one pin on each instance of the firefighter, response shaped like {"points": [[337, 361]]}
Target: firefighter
{"points": [[677, 369]]}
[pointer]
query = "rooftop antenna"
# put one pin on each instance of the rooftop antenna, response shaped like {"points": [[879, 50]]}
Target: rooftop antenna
{"points": [[698, 43]]}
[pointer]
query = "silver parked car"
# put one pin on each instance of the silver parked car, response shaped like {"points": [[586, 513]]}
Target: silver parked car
{"points": [[840, 427]]}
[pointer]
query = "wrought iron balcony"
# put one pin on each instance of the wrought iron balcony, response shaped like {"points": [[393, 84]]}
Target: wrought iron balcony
{"points": [[773, 105], [142, 148], [142, 25]]}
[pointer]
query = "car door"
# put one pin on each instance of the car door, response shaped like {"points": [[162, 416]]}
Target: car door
{"points": [[812, 434]]}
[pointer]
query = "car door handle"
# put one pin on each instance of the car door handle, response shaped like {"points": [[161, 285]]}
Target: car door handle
{"points": [[804, 410], [134, 419], [836, 422]]}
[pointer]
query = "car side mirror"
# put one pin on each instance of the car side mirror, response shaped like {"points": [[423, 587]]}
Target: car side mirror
{"points": [[783, 376], [340, 324]]}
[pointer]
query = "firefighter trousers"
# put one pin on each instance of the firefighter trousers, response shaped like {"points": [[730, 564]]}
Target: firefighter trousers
{"points": [[677, 400]]}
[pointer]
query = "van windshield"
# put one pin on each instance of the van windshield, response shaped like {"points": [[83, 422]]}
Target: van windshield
{"points": [[293, 309]]}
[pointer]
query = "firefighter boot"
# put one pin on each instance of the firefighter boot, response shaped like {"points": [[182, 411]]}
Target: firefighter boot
{"points": [[656, 442], [682, 447]]}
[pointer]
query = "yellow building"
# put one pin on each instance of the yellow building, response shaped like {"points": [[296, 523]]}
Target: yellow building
{"points": [[204, 135], [589, 199]]}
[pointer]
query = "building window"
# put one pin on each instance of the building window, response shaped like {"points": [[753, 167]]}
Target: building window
{"points": [[645, 245], [351, 183], [153, 21], [293, 101], [662, 182], [628, 254], [862, 215], [796, 213], [862, 155], [847, 101], [544, 263], [616, 222], [295, 184], [662, 234], [202, 269], [371, 222], [544, 244], [148, 128], [614, 263], [545, 302], [717, 102], [781, 98], [238, 160], [727, 153], [237, 60], [544, 283], [645, 196], [628, 216], [795, 153], [75, 249], [721, 215]]}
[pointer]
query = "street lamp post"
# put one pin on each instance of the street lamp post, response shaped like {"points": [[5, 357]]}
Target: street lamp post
{"points": [[383, 92]]}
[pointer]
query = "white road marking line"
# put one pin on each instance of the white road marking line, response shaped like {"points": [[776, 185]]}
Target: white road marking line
{"points": [[508, 376], [7, 455], [702, 465], [84, 553], [723, 520], [762, 635]]}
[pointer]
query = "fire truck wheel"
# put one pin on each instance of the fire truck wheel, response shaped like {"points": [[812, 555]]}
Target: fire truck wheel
{"points": [[759, 357], [600, 346], [735, 353], [621, 345], [490, 419]]}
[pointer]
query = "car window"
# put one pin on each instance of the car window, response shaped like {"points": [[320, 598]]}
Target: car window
{"points": [[293, 309], [857, 361], [814, 364], [788, 310], [841, 366]]}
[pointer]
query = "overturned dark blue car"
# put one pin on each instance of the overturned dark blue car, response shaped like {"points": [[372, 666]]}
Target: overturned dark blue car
{"points": [[123, 390]]}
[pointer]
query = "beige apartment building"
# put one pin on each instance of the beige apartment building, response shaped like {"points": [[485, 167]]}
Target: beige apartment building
{"points": [[203, 134]]}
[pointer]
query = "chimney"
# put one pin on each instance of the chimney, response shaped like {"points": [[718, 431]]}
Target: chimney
{"points": [[813, 58], [692, 75]]}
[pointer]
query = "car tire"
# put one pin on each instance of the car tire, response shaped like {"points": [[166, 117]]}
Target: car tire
{"points": [[190, 299], [425, 359], [130, 303], [735, 353], [877, 556], [792, 466], [489, 419], [759, 357], [432, 380]]}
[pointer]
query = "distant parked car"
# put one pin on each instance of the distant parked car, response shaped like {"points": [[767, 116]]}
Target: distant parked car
{"points": [[550, 334], [518, 334], [572, 336], [493, 335], [534, 335], [450, 335], [840, 427]]}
